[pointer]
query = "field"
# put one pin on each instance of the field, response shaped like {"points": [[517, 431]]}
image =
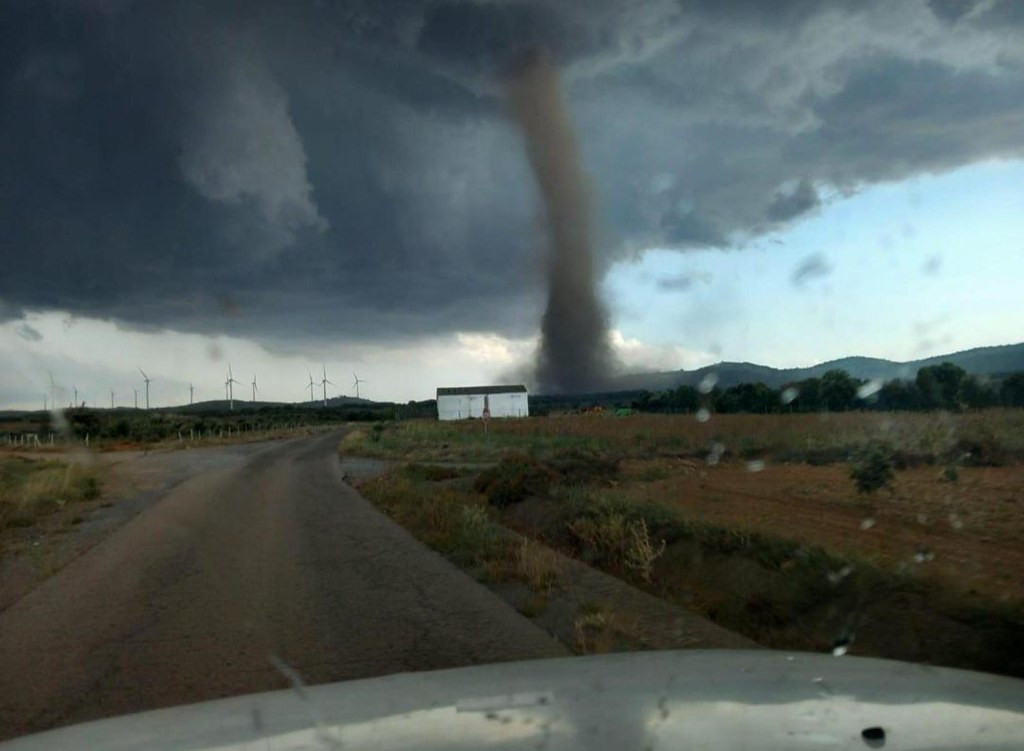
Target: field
{"points": [[752, 521]]}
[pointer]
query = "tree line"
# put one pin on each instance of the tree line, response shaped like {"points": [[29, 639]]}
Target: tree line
{"points": [[946, 386]]}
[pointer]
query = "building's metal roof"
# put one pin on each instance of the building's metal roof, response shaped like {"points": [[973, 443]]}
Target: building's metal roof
{"points": [[463, 390]]}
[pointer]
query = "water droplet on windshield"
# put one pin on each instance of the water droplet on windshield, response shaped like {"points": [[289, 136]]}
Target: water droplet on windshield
{"points": [[840, 649], [956, 522], [870, 388], [867, 523], [707, 383], [835, 577], [755, 465], [703, 415], [789, 394], [715, 455], [923, 555]]}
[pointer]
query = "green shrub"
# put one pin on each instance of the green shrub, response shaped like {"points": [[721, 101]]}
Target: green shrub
{"points": [[873, 469], [429, 472], [576, 466], [513, 479]]}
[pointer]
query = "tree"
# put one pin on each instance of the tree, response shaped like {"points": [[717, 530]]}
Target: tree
{"points": [[808, 396], [898, 395], [838, 390], [940, 385], [1012, 390], [976, 394], [749, 397], [685, 399]]}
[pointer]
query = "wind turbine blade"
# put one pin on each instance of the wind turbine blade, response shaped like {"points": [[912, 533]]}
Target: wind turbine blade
{"points": [[144, 374]]}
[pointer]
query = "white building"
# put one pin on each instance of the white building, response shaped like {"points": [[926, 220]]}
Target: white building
{"points": [[462, 402]]}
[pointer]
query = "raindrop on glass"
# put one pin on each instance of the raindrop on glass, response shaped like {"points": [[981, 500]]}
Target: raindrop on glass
{"points": [[923, 555], [703, 415], [789, 394], [707, 383], [840, 649], [870, 388], [715, 455], [755, 466], [867, 523], [835, 577], [956, 522]]}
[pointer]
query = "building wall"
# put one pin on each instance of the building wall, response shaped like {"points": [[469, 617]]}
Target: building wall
{"points": [[463, 406]]}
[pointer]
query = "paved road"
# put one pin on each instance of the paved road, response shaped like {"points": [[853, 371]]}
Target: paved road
{"points": [[275, 556]]}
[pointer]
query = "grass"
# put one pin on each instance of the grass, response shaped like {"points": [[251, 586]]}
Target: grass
{"points": [[31, 489], [607, 492], [981, 437]]}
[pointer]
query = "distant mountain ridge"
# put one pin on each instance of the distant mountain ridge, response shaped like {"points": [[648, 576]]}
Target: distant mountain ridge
{"points": [[982, 361]]}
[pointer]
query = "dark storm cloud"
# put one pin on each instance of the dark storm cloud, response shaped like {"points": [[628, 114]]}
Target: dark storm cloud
{"points": [[814, 266], [792, 203], [351, 168], [28, 333]]}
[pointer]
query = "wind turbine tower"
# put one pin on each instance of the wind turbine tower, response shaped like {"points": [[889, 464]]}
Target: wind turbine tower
{"points": [[254, 389], [146, 379], [191, 393], [230, 383], [111, 399], [312, 388], [355, 382], [136, 398], [325, 382]]}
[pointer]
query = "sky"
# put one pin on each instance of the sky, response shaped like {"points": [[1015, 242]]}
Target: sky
{"points": [[339, 185]]}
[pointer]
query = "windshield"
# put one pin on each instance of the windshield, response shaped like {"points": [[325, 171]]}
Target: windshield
{"points": [[348, 339]]}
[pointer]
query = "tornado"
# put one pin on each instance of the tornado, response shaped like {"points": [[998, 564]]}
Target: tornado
{"points": [[574, 353]]}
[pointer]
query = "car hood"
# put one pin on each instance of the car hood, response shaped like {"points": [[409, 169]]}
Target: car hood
{"points": [[716, 699]]}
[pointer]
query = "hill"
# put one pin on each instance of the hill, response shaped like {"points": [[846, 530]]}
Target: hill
{"points": [[986, 361]]}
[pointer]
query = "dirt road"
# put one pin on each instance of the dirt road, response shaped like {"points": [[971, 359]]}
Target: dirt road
{"points": [[273, 556]]}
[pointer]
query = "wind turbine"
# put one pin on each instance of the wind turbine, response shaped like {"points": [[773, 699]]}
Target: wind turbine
{"points": [[136, 398], [53, 391], [111, 399], [325, 382], [146, 379], [230, 384], [254, 389], [75, 403], [355, 382], [191, 392], [312, 388], [45, 406]]}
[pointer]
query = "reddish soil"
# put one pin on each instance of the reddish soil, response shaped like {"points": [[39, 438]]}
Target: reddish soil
{"points": [[969, 533]]}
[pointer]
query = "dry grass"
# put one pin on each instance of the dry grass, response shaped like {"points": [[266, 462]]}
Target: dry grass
{"points": [[30, 489], [595, 629], [539, 567]]}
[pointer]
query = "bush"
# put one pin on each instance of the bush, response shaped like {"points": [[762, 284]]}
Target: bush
{"points": [[578, 467], [611, 539], [874, 468], [514, 479], [430, 472]]}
